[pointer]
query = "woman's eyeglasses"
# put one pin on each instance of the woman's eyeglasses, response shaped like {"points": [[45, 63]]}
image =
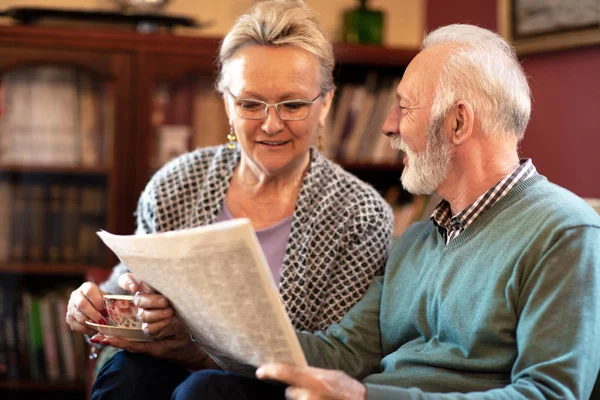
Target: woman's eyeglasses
{"points": [[288, 110]]}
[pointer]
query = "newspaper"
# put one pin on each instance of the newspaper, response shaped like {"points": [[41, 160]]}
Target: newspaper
{"points": [[219, 283]]}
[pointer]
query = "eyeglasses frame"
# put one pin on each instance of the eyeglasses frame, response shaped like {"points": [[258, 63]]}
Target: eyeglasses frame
{"points": [[274, 105]]}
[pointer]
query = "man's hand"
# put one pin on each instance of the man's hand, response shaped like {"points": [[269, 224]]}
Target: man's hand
{"points": [[313, 383]]}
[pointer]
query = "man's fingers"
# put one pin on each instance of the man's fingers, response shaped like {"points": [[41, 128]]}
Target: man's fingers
{"points": [[154, 315], [153, 301], [296, 393], [129, 283], [158, 329], [294, 376]]}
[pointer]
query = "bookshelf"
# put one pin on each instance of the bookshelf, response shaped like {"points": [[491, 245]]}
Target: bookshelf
{"points": [[130, 102]]}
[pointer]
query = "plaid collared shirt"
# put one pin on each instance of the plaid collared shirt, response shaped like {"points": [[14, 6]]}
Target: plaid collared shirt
{"points": [[450, 227]]}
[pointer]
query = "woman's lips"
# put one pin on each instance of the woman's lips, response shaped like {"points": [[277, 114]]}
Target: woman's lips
{"points": [[274, 143]]}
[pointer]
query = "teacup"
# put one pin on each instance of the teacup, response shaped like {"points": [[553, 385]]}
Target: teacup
{"points": [[122, 312]]}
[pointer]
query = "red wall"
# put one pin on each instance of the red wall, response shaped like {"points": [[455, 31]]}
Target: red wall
{"points": [[563, 137]]}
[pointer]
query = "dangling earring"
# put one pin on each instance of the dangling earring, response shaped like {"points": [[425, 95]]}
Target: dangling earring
{"points": [[232, 138], [320, 143]]}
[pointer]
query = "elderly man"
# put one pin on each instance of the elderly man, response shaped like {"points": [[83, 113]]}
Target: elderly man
{"points": [[498, 296]]}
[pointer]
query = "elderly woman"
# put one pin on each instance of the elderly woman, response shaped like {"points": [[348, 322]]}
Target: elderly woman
{"points": [[325, 233]]}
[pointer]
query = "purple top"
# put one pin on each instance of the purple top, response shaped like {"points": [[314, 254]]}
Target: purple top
{"points": [[273, 240]]}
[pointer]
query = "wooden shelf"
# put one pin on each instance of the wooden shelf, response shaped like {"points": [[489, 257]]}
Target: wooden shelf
{"points": [[372, 55], [205, 47], [29, 385], [54, 169], [75, 270]]}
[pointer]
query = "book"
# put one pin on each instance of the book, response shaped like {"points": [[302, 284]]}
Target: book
{"points": [[22, 338], [220, 285], [352, 143], [66, 346], [35, 344], [70, 223], [49, 340], [36, 228], [54, 225], [20, 220], [3, 344], [6, 198], [89, 134], [10, 296]]}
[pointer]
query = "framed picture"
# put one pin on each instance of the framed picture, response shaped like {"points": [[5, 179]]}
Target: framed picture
{"points": [[544, 25]]}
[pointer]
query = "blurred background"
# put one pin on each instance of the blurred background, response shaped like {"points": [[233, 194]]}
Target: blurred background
{"points": [[94, 98]]}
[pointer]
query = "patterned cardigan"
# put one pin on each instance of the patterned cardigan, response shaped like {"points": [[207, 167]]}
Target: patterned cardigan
{"points": [[340, 236]]}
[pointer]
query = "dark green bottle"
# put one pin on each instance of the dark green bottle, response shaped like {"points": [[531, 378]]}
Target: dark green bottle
{"points": [[362, 25]]}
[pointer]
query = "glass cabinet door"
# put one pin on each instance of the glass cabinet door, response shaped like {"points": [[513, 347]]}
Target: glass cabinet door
{"points": [[58, 176]]}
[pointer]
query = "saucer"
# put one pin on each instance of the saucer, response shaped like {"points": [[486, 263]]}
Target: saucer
{"points": [[132, 334]]}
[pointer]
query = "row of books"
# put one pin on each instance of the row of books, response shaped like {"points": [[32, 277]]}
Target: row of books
{"points": [[53, 116], [185, 116], [35, 341], [54, 222], [354, 129]]}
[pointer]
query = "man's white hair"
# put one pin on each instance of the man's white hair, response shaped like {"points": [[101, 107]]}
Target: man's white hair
{"points": [[483, 70]]}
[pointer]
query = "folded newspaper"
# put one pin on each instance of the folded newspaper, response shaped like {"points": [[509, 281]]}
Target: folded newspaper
{"points": [[220, 285]]}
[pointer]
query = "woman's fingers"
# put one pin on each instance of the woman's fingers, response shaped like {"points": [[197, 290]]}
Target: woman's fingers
{"points": [[83, 309], [77, 320], [85, 304]]}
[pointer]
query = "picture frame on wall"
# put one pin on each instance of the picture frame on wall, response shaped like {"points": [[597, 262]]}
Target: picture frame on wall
{"points": [[545, 25]]}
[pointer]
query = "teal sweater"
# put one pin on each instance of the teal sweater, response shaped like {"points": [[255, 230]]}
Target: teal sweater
{"points": [[509, 309]]}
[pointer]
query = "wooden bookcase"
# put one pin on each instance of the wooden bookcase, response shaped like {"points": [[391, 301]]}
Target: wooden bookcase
{"points": [[145, 81]]}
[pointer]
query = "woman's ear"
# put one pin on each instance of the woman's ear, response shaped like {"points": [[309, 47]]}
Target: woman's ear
{"points": [[327, 100]]}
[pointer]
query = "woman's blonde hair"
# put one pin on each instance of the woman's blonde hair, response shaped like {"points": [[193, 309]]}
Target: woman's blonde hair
{"points": [[278, 23]]}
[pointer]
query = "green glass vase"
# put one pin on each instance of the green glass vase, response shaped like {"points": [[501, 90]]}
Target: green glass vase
{"points": [[362, 25]]}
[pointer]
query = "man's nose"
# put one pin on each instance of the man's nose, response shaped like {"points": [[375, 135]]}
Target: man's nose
{"points": [[390, 126]]}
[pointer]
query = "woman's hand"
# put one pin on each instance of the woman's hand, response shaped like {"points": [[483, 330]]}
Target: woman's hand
{"points": [[86, 304], [173, 341]]}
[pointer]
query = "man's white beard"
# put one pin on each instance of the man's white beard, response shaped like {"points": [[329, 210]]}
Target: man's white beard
{"points": [[426, 172]]}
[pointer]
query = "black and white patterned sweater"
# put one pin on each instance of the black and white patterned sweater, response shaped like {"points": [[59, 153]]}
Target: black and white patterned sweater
{"points": [[340, 236]]}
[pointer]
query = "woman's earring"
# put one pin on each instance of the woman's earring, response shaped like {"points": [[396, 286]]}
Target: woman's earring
{"points": [[232, 138], [320, 143]]}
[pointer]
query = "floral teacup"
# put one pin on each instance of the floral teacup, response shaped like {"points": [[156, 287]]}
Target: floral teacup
{"points": [[122, 312]]}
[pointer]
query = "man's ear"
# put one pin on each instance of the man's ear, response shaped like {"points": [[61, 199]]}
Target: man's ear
{"points": [[461, 122], [327, 100]]}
